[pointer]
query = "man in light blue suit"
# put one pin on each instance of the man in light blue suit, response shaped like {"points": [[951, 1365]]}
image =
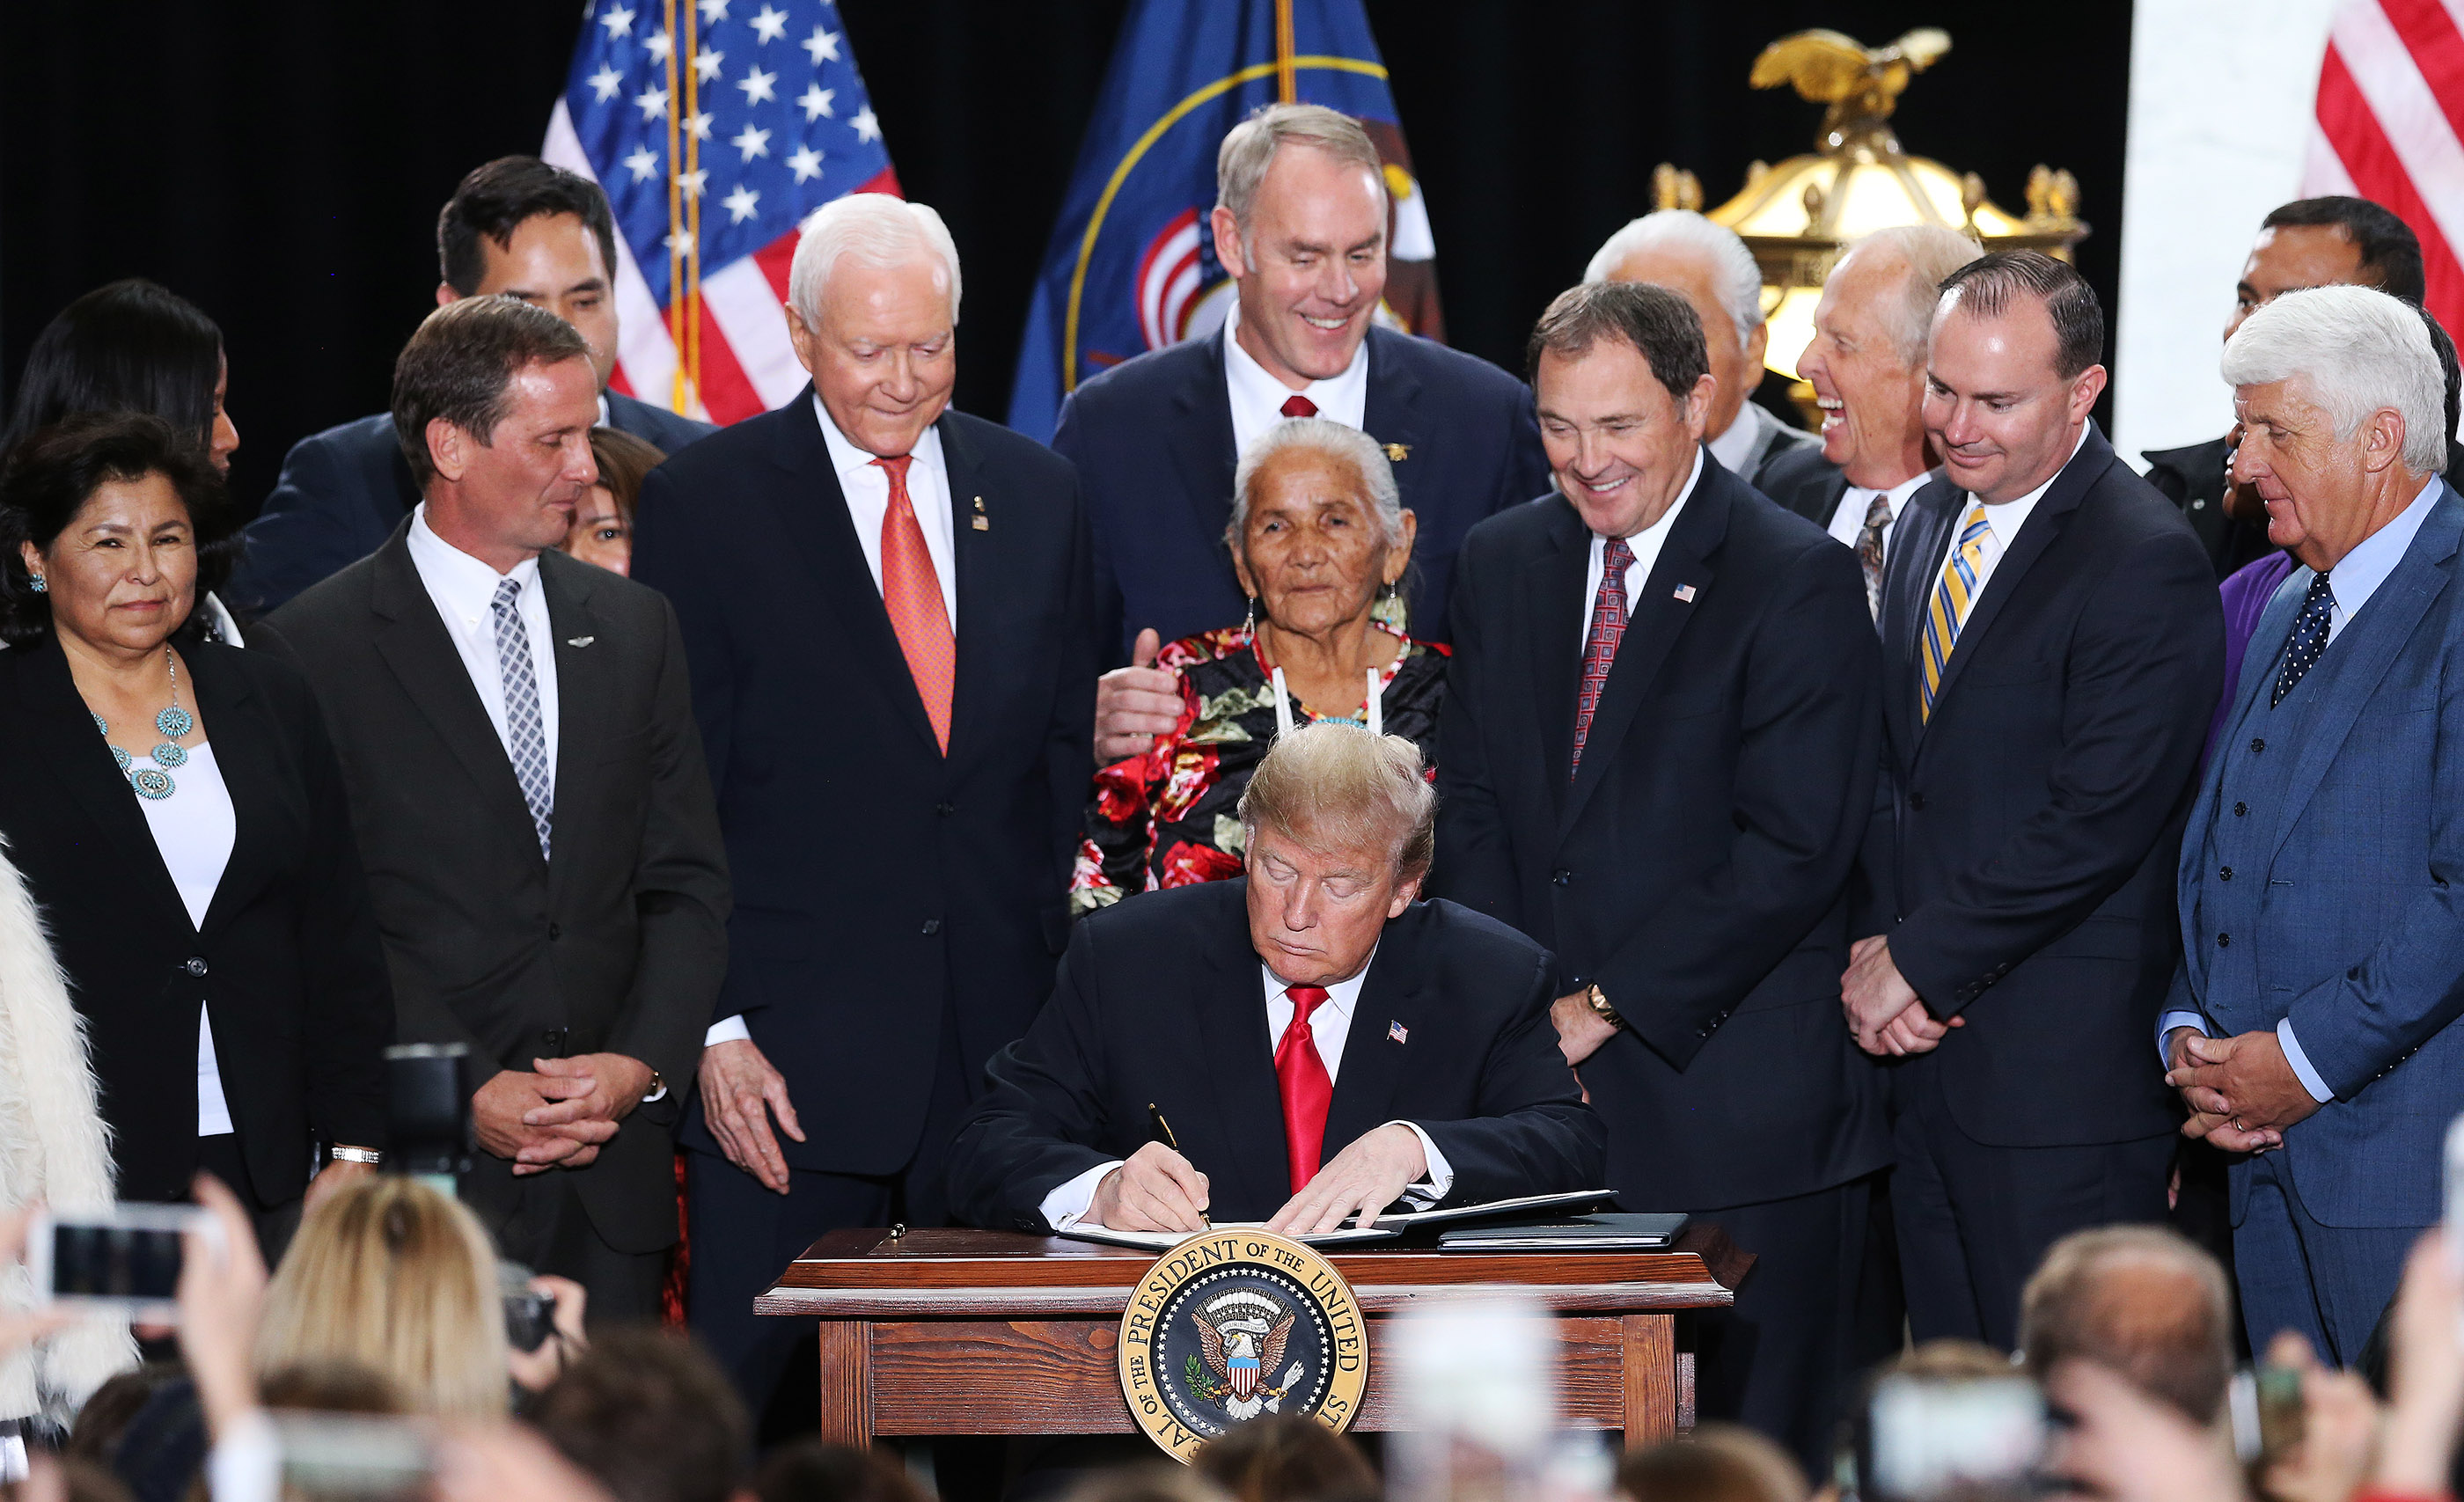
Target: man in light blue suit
{"points": [[2322, 874]]}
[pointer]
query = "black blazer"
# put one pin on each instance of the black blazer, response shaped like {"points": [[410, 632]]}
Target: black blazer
{"points": [[885, 887], [2024, 850], [1161, 1001], [287, 963], [1802, 481], [1152, 442], [621, 937], [1697, 868], [344, 491]]}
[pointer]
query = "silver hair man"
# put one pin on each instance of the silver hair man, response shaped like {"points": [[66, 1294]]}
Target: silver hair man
{"points": [[2356, 352], [1928, 255], [1249, 149], [875, 228], [1736, 277]]}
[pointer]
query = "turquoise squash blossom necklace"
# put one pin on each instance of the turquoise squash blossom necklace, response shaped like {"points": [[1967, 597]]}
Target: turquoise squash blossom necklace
{"points": [[173, 722]]}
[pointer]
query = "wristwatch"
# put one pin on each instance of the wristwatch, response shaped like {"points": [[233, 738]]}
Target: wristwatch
{"points": [[1600, 1003], [356, 1155]]}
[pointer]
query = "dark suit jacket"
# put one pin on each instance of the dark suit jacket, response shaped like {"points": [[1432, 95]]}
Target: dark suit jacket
{"points": [[1161, 1001], [287, 963], [1801, 480], [621, 937], [2023, 856], [1152, 442], [885, 887], [344, 491], [2194, 478], [1697, 867]]}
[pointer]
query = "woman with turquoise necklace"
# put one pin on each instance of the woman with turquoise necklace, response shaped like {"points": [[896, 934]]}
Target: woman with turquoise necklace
{"points": [[178, 815]]}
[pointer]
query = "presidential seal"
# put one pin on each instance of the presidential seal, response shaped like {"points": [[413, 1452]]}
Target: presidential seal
{"points": [[1232, 1324]]}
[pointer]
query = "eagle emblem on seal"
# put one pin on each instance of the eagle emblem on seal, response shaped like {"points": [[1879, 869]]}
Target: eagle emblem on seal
{"points": [[1242, 1335]]}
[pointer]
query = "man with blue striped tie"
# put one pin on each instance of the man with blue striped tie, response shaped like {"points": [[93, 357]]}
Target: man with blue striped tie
{"points": [[2052, 648]]}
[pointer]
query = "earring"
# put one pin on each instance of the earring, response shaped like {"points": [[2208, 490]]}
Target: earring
{"points": [[1250, 624], [40, 586]]}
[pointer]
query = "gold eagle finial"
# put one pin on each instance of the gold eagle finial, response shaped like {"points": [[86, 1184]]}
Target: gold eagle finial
{"points": [[1860, 84]]}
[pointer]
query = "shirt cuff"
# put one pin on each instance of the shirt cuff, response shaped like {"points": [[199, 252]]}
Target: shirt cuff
{"points": [[2300, 1062], [246, 1464], [1438, 1183], [727, 1029], [1067, 1205], [2164, 1026]]}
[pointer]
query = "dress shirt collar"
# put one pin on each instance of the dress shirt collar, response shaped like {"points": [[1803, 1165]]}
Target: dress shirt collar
{"points": [[848, 461], [1340, 996], [1656, 534], [456, 579], [2359, 573], [607, 419], [2007, 518], [1259, 397], [1848, 518], [1734, 447]]}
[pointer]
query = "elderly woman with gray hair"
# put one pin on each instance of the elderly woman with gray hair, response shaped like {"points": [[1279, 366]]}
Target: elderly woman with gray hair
{"points": [[1320, 541]]}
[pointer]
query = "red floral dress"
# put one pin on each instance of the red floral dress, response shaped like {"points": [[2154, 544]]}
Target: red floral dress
{"points": [[1171, 818]]}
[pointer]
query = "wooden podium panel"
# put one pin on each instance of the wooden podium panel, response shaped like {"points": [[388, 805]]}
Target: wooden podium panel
{"points": [[965, 1332]]}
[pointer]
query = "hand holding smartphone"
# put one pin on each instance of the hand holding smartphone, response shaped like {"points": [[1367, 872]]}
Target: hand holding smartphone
{"points": [[125, 1258]]}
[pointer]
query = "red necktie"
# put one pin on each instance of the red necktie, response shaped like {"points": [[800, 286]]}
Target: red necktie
{"points": [[1299, 406], [912, 592], [1599, 649], [1300, 1075]]}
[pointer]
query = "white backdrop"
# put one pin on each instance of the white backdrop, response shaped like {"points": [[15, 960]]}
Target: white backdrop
{"points": [[2221, 111]]}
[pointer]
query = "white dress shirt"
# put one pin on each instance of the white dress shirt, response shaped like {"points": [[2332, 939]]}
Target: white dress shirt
{"points": [[1258, 398], [464, 591], [2350, 583], [1735, 444], [866, 485], [1848, 518], [1329, 1026], [2004, 519], [1645, 543], [194, 829]]}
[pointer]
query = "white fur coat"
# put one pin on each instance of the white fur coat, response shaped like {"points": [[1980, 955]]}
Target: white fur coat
{"points": [[54, 1148]]}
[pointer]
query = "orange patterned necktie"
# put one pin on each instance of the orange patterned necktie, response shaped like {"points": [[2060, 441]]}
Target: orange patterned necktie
{"points": [[910, 590]]}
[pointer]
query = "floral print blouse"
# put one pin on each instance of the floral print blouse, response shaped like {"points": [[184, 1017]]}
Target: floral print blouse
{"points": [[1171, 818]]}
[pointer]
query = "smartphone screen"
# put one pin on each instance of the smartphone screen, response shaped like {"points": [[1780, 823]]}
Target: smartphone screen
{"points": [[1934, 1437], [128, 1256]]}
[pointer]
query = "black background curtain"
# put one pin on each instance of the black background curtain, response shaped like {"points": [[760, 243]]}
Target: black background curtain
{"points": [[280, 163]]}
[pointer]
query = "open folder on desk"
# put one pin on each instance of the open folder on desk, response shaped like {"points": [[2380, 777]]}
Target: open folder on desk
{"points": [[1610, 1232], [1165, 1241], [1384, 1229]]}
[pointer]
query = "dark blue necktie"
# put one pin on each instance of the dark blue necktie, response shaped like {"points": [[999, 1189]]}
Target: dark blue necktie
{"points": [[2309, 638]]}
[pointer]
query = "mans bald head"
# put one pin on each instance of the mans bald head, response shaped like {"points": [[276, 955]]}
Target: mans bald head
{"points": [[2141, 1300]]}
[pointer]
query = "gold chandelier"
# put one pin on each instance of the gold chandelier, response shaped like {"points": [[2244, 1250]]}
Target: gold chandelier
{"points": [[1798, 216]]}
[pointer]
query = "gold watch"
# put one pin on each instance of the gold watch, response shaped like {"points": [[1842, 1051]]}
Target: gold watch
{"points": [[1600, 1003]]}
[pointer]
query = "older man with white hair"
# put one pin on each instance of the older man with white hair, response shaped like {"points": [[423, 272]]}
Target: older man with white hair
{"points": [[2311, 1022], [1709, 267], [885, 606]]}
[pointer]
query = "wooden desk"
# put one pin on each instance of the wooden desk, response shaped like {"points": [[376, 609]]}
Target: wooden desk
{"points": [[964, 1331]]}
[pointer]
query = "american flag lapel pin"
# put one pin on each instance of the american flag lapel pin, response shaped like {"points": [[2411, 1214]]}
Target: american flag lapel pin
{"points": [[1398, 1032], [983, 524], [1685, 594]]}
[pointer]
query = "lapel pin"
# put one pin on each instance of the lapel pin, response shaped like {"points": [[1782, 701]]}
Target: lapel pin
{"points": [[983, 524], [1685, 594], [1398, 1032], [579, 641], [1397, 453]]}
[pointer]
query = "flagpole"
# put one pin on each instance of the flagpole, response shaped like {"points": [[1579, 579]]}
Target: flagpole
{"points": [[1287, 84], [690, 353], [675, 226]]}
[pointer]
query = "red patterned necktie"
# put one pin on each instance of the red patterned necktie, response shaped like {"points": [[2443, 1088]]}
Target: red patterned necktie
{"points": [[1299, 406], [1600, 647], [910, 590], [1301, 1077]]}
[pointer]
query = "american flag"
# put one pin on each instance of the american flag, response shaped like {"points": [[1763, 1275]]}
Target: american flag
{"points": [[716, 127], [2390, 115]]}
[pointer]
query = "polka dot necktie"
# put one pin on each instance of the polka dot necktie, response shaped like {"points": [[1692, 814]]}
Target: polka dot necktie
{"points": [[1299, 406], [1306, 1089], [2309, 637]]}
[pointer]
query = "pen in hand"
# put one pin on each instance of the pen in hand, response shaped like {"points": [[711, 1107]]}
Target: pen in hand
{"points": [[1163, 1131]]}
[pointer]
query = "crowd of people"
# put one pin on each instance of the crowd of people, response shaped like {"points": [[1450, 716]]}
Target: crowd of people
{"points": [[1419, 782]]}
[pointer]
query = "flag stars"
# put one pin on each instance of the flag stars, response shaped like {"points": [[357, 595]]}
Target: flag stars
{"points": [[698, 124], [807, 163], [756, 86], [653, 102], [645, 163], [693, 182], [740, 203], [867, 127], [681, 242], [823, 44], [706, 65], [752, 142], [768, 26], [714, 11], [605, 83], [619, 22], [816, 102], [659, 44]]}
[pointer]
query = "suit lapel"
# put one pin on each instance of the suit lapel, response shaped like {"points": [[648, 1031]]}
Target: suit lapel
{"points": [[63, 726], [1392, 414], [1557, 614], [584, 704], [1917, 544], [1653, 621], [2368, 645], [813, 514], [980, 576], [415, 646], [1372, 1061], [1231, 1000], [1200, 441]]}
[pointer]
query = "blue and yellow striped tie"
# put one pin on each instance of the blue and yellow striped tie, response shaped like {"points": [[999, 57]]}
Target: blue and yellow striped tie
{"points": [[1954, 596]]}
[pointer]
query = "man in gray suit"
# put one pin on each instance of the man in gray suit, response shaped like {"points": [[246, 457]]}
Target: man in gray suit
{"points": [[527, 788], [2322, 882]]}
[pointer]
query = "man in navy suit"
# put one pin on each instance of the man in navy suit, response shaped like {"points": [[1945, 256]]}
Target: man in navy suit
{"points": [[885, 606], [1300, 223], [1657, 759], [2311, 1022], [515, 226]]}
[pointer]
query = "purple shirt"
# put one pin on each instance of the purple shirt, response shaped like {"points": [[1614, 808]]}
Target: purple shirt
{"points": [[2245, 600]]}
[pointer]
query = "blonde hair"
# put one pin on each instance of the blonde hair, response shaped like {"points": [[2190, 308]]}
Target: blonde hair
{"points": [[1338, 785], [398, 1278]]}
